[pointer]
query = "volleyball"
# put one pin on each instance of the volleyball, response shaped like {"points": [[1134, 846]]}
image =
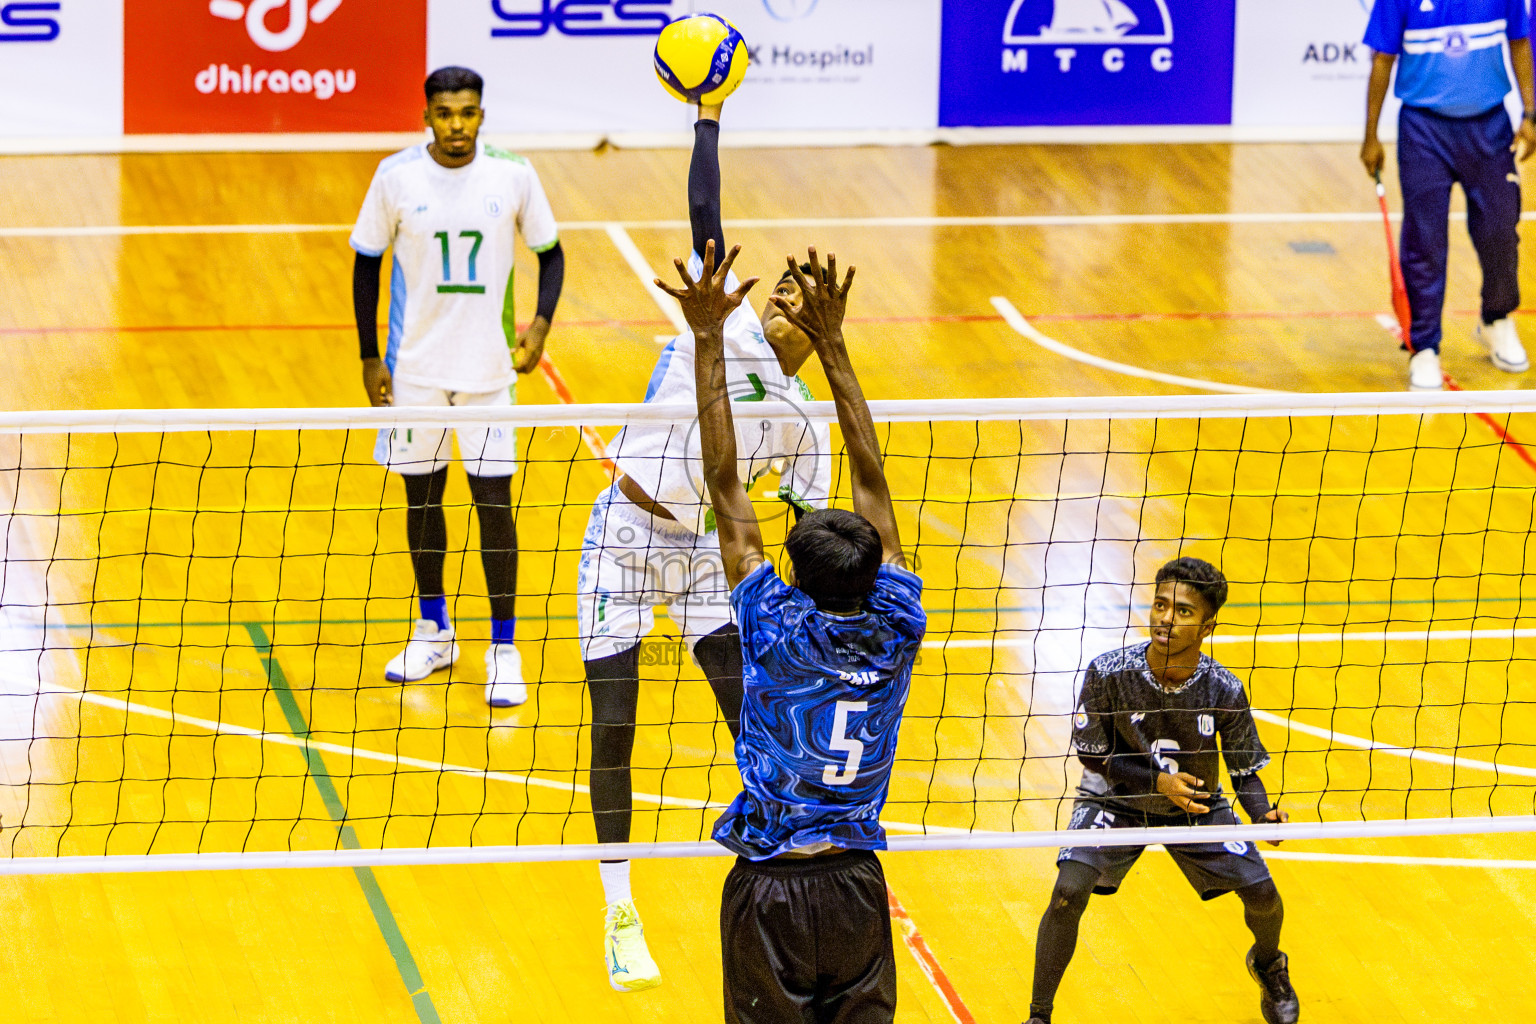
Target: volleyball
{"points": [[701, 58]]}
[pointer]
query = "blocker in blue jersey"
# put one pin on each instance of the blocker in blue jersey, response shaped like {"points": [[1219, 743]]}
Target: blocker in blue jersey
{"points": [[1452, 79], [827, 655]]}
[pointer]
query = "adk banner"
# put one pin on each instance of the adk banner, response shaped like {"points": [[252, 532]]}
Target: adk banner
{"points": [[562, 66], [1065, 62], [61, 68], [1301, 62], [273, 65]]}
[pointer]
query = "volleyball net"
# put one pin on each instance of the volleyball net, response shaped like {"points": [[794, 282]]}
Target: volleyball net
{"points": [[196, 607]]}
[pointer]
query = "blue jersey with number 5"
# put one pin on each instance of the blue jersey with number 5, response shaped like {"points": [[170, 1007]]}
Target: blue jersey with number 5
{"points": [[823, 704]]}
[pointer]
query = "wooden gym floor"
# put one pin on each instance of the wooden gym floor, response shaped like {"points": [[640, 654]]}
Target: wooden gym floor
{"points": [[203, 645]]}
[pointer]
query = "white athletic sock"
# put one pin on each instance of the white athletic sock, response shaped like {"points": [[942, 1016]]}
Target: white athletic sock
{"points": [[615, 878]]}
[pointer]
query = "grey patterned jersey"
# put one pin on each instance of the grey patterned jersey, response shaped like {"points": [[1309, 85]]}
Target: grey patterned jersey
{"points": [[1123, 711]]}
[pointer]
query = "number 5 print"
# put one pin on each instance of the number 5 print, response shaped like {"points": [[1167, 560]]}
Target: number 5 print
{"points": [[831, 775]]}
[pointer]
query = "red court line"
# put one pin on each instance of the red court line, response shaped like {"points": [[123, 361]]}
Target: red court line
{"points": [[927, 962], [1503, 435], [945, 318]]}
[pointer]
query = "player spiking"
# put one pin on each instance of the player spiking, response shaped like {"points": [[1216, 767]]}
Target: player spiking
{"points": [[1146, 730], [451, 209], [651, 540], [805, 929]]}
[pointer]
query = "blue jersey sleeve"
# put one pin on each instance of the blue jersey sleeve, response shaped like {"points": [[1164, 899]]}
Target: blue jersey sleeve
{"points": [[1389, 19], [759, 602], [1517, 21], [898, 600]]}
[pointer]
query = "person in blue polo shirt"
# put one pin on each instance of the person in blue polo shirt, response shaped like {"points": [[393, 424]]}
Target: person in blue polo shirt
{"points": [[1452, 79]]}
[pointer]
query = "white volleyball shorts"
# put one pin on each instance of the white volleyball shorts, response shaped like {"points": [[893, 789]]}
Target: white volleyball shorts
{"points": [[632, 561], [484, 450]]}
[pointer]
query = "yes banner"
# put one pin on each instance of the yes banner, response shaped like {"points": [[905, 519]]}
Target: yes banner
{"points": [[1064, 62], [273, 65], [61, 68]]}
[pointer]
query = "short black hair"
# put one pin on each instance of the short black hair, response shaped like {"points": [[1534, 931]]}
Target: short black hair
{"points": [[1200, 576], [453, 79], [836, 555], [805, 268]]}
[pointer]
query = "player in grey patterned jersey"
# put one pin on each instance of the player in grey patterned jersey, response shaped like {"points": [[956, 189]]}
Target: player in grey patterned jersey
{"points": [[1146, 729]]}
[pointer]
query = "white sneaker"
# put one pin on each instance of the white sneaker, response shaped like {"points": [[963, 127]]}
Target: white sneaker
{"points": [[428, 650], [504, 686], [630, 967], [1504, 346], [1424, 371]]}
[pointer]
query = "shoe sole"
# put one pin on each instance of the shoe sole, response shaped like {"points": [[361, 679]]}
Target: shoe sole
{"points": [[1508, 367], [640, 985], [1415, 387], [416, 679], [501, 703]]}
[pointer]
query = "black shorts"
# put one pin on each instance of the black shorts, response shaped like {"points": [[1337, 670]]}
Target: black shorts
{"points": [[1212, 868], [808, 939]]}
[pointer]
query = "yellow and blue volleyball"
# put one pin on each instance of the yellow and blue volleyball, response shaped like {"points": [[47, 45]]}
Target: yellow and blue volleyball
{"points": [[701, 58]]}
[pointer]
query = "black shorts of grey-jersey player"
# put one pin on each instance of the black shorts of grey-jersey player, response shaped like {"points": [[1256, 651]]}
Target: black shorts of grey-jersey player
{"points": [[1152, 725]]}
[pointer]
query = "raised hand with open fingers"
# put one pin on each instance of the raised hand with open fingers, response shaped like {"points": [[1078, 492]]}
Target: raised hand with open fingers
{"points": [[823, 301], [706, 302]]}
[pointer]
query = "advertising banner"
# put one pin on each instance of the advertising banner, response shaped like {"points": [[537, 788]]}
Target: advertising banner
{"points": [[1067, 62], [828, 64], [61, 68], [273, 65], [1302, 63], [558, 66]]}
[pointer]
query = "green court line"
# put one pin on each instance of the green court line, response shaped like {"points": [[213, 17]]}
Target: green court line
{"points": [[426, 1012]]}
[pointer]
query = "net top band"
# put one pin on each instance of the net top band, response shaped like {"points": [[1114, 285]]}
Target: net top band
{"points": [[106, 421]]}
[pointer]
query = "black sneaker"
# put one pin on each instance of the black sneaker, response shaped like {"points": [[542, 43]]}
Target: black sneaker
{"points": [[1277, 1000]]}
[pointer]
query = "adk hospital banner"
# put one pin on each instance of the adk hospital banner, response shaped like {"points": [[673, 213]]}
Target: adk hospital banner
{"points": [[100, 69]]}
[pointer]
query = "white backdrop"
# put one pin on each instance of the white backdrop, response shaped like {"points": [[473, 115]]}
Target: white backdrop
{"points": [[819, 64], [70, 85], [1301, 63]]}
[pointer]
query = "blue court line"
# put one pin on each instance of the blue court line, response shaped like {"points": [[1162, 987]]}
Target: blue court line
{"points": [[426, 1012]]}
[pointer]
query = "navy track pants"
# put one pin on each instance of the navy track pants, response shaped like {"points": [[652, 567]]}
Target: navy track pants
{"points": [[1434, 152]]}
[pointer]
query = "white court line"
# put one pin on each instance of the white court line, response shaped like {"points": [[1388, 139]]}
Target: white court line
{"points": [[1410, 753], [283, 739], [360, 753], [758, 223], [1016, 320], [1426, 862], [1278, 638], [636, 260]]}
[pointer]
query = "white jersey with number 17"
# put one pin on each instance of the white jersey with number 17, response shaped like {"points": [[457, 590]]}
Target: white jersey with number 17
{"points": [[451, 321]]}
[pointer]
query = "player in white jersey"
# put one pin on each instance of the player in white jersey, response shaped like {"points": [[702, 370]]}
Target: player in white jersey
{"points": [[450, 209], [651, 540]]}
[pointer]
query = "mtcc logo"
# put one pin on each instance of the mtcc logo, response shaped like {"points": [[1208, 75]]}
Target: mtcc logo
{"points": [[790, 10], [254, 14], [1111, 24], [27, 22]]}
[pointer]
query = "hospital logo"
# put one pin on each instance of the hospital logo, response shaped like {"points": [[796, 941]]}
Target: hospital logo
{"points": [[1108, 26], [255, 15], [1455, 44], [1080, 721], [1207, 725], [790, 10], [494, 205]]}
